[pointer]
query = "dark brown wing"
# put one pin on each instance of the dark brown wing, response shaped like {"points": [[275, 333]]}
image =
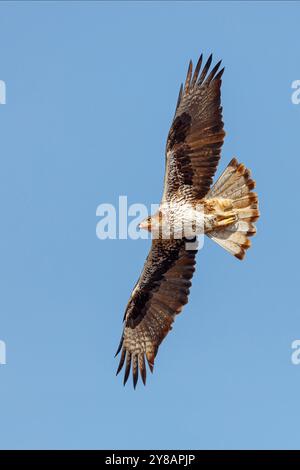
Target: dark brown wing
{"points": [[159, 295], [196, 135]]}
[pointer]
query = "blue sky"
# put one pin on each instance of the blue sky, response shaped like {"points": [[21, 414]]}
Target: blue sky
{"points": [[91, 90]]}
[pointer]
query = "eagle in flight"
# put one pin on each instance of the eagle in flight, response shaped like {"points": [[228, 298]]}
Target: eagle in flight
{"points": [[229, 209]]}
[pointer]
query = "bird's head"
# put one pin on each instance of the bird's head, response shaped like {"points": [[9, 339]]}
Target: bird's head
{"points": [[151, 223]]}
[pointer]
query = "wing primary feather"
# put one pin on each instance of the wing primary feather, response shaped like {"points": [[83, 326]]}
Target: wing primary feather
{"points": [[219, 74], [142, 366], [188, 77], [120, 345], [127, 367], [179, 96], [122, 359], [135, 370], [196, 72], [150, 360], [205, 70], [212, 73]]}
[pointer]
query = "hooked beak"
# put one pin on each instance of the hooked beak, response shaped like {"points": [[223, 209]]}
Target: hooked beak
{"points": [[143, 225]]}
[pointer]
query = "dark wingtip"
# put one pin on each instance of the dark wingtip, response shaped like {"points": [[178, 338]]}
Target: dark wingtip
{"points": [[188, 77], [209, 61], [122, 359], [213, 72], [196, 71], [120, 346], [205, 70], [219, 74], [135, 370], [127, 369], [179, 96], [142, 366]]}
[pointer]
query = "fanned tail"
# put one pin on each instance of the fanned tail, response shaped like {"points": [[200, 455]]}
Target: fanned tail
{"points": [[235, 184]]}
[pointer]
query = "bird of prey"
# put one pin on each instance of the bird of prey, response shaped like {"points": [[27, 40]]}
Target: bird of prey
{"points": [[229, 210]]}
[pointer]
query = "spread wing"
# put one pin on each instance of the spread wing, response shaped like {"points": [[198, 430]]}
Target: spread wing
{"points": [[196, 135], [160, 293]]}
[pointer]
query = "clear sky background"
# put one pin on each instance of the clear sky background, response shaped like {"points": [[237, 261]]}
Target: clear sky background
{"points": [[91, 91]]}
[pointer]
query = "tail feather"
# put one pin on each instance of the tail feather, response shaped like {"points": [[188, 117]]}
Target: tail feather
{"points": [[236, 185], [248, 200]]}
